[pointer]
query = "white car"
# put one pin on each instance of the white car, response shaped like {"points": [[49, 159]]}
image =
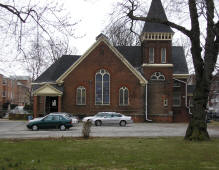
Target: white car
{"points": [[109, 118], [73, 118]]}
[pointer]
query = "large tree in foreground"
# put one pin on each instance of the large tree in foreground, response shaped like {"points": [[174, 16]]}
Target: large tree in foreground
{"points": [[204, 54]]}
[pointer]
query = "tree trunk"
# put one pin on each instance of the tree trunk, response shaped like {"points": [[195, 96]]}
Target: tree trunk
{"points": [[197, 128]]}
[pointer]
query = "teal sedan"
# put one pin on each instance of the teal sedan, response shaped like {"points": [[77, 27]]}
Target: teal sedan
{"points": [[50, 122]]}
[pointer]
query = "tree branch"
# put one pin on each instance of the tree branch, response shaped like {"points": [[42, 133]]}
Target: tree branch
{"points": [[156, 20]]}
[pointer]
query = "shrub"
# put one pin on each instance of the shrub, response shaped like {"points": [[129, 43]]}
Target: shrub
{"points": [[86, 129]]}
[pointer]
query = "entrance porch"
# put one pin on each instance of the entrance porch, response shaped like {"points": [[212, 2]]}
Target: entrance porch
{"points": [[47, 99]]}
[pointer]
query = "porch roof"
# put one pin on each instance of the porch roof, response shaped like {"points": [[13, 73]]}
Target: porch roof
{"points": [[47, 90]]}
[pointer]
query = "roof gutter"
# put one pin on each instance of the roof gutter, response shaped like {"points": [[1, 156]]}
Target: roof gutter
{"points": [[146, 103]]}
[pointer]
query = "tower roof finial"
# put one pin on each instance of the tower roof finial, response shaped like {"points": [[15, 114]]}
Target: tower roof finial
{"points": [[156, 11]]}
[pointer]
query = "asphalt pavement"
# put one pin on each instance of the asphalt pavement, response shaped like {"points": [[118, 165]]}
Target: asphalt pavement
{"points": [[18, 129]]}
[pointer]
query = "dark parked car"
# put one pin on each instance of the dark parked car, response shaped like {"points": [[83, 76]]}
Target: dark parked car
{"points": [[50, 122]]}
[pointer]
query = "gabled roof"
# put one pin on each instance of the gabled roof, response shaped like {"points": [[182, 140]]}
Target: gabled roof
{"points": [[103, 39], [179, 61], [57, 69], [48, 89], [132, 54], [156, 11]]}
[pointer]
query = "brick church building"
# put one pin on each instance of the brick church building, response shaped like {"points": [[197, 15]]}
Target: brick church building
{"points": [[147, 82]]}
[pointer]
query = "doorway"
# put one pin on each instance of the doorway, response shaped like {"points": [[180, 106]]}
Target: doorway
{"points": [[51, 104]]}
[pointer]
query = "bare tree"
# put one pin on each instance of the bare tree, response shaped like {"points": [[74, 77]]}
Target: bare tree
{"points": [[120, 35], [61, 47], [23, 21], [204, 55], [35, 61]]}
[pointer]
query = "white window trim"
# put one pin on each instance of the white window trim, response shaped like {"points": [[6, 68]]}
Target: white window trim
{"points": [[102, 74], [123, 96], [151, 61], [81, 89], [3, 94], [4, 82], [165, 56], [157, 77], [165, 102]]}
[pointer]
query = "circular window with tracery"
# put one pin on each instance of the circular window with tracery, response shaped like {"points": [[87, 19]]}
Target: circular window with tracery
{"points": [[158, 76]]}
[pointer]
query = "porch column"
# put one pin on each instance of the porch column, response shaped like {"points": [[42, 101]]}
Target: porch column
{"points": [[35, 106], [59, 103]]}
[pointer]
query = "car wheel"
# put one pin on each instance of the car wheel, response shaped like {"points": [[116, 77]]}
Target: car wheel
{"points": [[98, 123], [123, 123], [62, 127], [35, 128]]}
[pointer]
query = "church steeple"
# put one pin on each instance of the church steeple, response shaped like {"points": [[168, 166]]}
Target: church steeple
{"points": [[155, 31]]}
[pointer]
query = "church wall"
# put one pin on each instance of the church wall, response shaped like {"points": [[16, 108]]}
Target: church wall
{"points": [[84, 75]]}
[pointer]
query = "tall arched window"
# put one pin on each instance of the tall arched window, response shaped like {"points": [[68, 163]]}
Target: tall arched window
{"points": [[81, 96], [102, 82], [157, 76], [123, 96]]}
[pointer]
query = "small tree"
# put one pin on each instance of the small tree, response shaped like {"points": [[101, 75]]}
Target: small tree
{"points": [[86, 129]]}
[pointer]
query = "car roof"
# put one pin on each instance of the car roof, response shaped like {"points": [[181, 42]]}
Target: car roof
{"points": [[58, 113]]}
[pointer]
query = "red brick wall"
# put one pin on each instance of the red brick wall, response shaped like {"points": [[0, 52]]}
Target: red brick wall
{"points": [[161, 118], [84, 75], [181, 114], [157, 45], [158, 91]]}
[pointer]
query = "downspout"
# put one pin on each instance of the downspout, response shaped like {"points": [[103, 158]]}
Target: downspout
{"points": [[146, 103], [186, 94]]}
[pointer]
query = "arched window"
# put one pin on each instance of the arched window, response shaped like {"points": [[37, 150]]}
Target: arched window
{"points": [[102, 82], [81, 96], [157, 76], [123, 96]]}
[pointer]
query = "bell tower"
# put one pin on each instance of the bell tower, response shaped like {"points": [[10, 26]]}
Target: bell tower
{"points": [[156, 45]]}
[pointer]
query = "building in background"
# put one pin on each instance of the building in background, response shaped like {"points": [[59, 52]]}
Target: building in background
{"points": [[214, 95], [14, 90]]}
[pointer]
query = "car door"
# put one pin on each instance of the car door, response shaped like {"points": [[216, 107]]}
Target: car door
{"points": [[106, 119], [55, 121], [115, 119], [46, 123]]}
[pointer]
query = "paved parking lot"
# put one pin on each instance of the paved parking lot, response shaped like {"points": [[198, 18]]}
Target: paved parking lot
{"points": [[17, 129]]}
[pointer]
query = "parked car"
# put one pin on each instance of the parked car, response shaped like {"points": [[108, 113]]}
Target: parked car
{"points": [[51, 121], [18, 110], [109, 118], [73, 118]]}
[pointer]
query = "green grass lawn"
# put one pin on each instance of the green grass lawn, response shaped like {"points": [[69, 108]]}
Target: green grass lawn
{"points": [[109, 153]]}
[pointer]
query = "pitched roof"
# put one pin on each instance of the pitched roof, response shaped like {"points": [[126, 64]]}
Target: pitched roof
{"points": [[133, 55], [179, 60], [57, 69], [156, 11]]}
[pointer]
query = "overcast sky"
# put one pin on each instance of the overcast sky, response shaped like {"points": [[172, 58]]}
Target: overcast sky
{"points": [[93, 16]]}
